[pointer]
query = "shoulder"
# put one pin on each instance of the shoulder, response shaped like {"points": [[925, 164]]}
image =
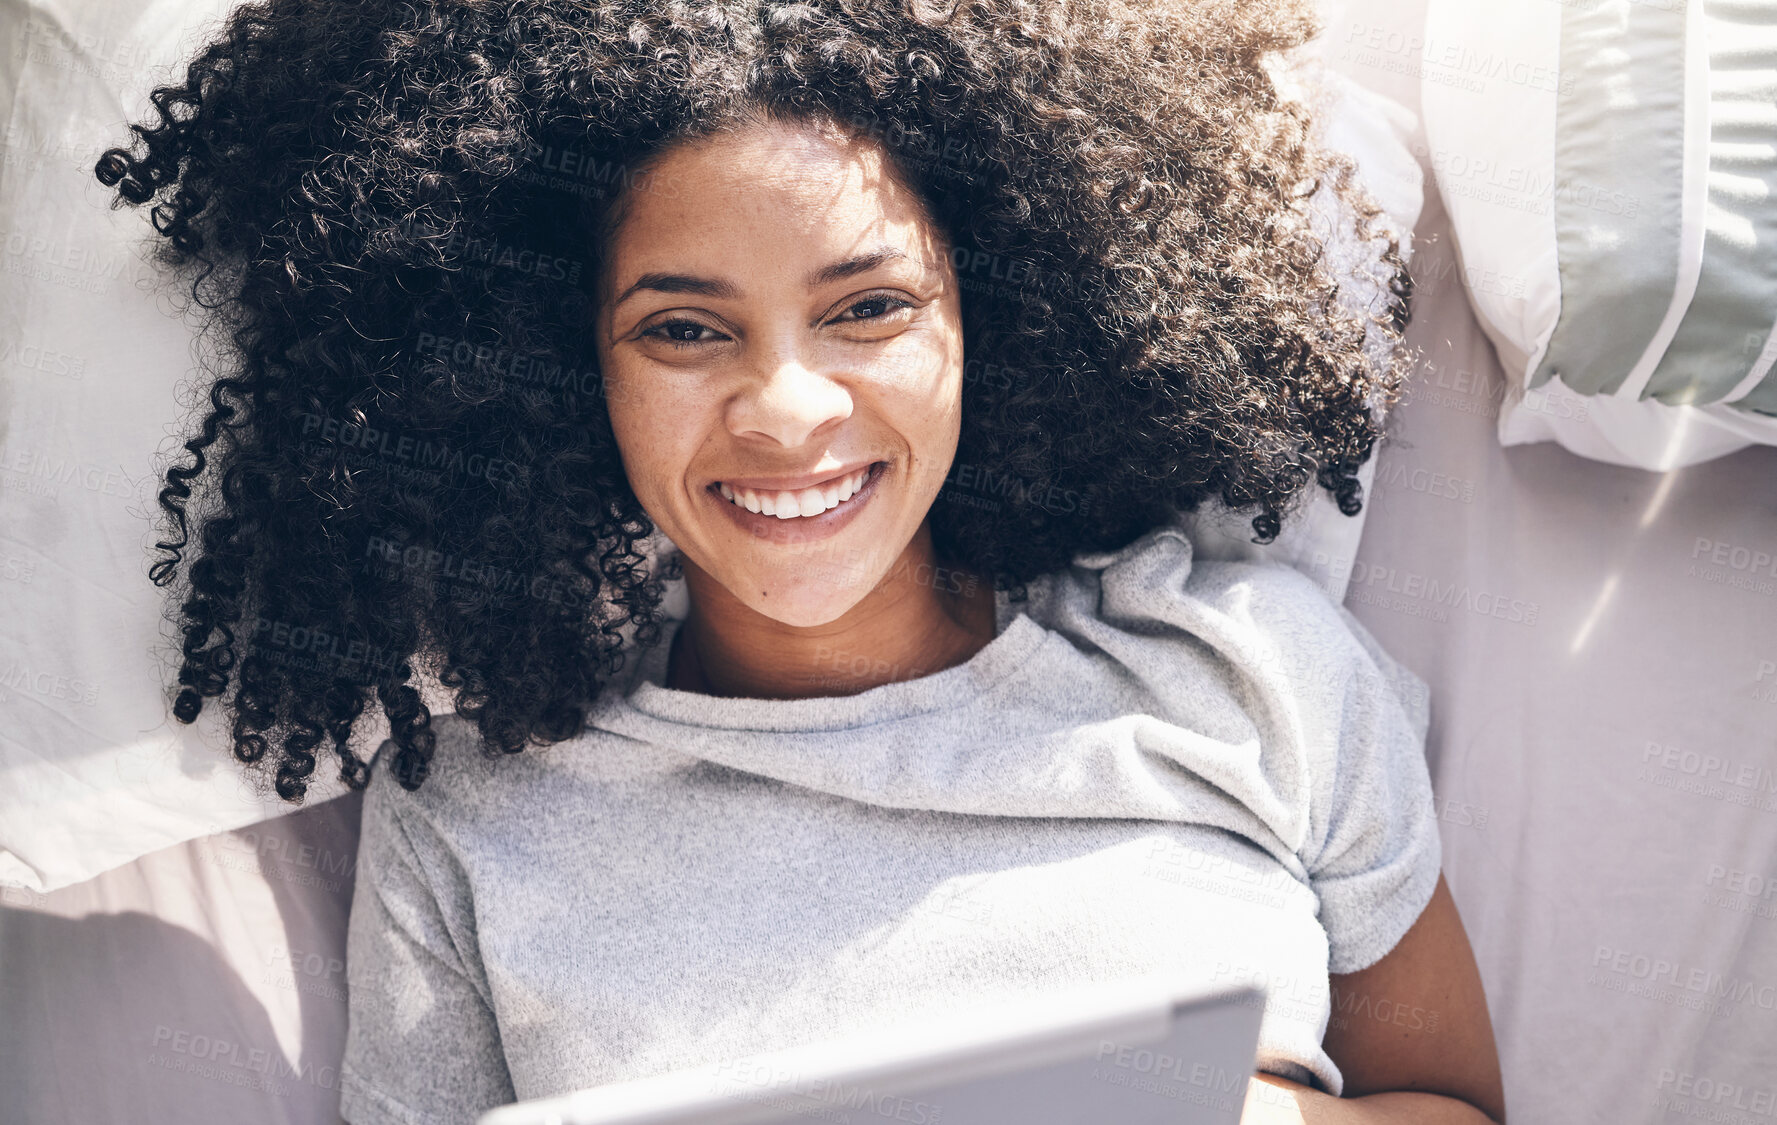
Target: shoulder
{"points": [[1339, 724], [456, 758], [1157, 580], [464, 784], [427, 837], [1268, 624], [469, 787], [1160, 570]]}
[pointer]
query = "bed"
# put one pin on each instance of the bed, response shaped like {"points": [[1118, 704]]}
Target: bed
{"points": [[1601, 645]]}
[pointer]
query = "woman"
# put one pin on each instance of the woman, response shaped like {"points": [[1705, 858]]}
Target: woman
{"points": [[911, 331]]}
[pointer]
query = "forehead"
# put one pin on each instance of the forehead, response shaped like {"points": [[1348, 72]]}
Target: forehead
{"points": [[800, 187]]}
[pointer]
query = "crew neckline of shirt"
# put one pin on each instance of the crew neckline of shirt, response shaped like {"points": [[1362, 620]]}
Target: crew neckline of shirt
{"points": [[645, 697]]}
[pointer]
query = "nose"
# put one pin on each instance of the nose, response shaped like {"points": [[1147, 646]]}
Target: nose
{"points": [[787, 399]]}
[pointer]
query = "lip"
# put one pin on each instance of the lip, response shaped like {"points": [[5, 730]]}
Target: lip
{"points": [[790, 484], [802, 529]]}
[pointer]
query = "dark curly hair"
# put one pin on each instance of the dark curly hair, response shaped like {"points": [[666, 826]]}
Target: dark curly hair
{"points": [[392, 214]]}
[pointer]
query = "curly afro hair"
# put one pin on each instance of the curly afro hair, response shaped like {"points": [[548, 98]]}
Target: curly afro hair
{"points": [[392, 215]]}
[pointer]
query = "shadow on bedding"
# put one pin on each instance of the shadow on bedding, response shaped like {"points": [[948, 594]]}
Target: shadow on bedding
{"points": [[110, 1015]]}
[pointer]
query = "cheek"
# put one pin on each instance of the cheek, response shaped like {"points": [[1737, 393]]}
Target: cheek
{"points": [[648, 423], [922, 404], [919, 383]]}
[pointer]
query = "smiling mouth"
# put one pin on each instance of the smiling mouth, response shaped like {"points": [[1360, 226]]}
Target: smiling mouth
{"points": [[803, 503]]}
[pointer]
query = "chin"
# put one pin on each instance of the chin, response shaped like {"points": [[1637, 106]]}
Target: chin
{"points": [[803, 600]]}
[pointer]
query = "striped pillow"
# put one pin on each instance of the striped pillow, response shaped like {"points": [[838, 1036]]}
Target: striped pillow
{"points": [[1610, 168]]}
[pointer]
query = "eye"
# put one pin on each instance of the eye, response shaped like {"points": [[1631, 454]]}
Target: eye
{"points": [[681, 333], [874, 307]]}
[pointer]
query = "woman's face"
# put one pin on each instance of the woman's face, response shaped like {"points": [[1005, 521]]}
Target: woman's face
{"points": [[781, 340]]}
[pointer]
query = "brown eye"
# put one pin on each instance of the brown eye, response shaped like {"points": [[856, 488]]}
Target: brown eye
{"points": [[874, 307], [680, 333]]}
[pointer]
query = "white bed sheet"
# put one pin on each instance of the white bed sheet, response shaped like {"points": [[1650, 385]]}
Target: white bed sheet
{"points": [[1595, 643], [1607, 772]]}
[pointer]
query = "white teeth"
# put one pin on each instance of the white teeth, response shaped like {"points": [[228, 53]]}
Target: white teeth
{"points": [[791, 505]]}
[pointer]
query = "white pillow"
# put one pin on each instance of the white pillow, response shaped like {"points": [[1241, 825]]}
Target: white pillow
{"points": [[96, 772], [1610, 176], [1375, 131]]}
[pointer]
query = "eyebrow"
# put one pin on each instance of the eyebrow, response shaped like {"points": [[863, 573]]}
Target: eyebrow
{"points": [[851, 267], [722, 290], [678, 283]]}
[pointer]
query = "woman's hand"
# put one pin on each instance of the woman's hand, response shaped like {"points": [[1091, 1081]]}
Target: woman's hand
{"points": [[1271, 1100]]}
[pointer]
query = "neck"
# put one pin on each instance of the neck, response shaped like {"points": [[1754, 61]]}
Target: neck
{"points": [[908, 626]]}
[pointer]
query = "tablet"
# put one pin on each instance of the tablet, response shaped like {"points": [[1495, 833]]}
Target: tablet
{"points": [[1142, 1051]]}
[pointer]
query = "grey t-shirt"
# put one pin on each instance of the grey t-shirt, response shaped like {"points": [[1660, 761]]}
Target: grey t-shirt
{"points": [[1210, 770]]}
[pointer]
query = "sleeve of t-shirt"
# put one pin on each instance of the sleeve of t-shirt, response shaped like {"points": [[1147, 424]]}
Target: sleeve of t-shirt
{"points": [[422, 1045], [1377, 861]]}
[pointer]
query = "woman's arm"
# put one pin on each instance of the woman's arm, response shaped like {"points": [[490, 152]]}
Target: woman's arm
{"points": [[1410, 1034], [1271, 1100]]}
